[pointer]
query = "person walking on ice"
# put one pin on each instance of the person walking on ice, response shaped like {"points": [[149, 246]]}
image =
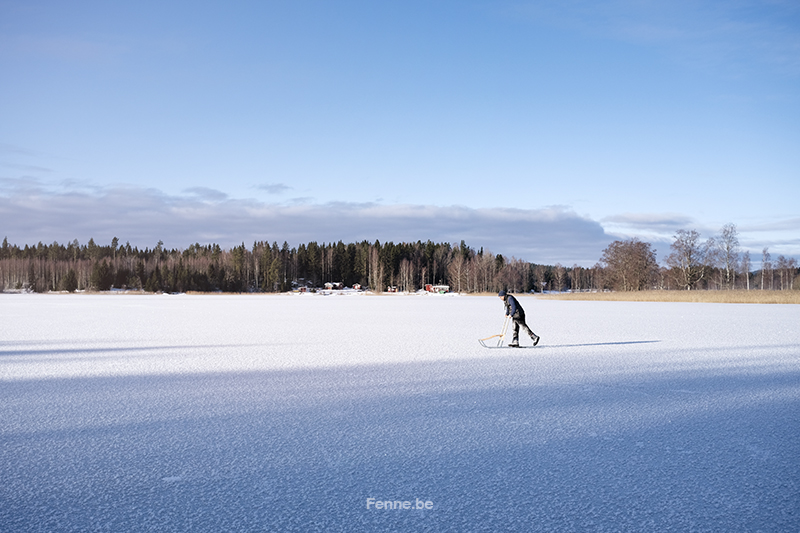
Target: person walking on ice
{"points": [[517, 314]]}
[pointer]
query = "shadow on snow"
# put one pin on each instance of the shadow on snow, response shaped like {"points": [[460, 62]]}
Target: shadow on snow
{"points": [[497, 443]]}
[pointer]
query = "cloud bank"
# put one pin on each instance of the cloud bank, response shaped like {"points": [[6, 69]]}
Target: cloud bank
{"points": [[31, 213]]}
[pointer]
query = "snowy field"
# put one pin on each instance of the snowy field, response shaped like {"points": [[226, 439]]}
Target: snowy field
{"points": [[288, 413]]}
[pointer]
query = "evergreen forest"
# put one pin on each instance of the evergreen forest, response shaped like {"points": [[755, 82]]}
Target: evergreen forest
{"points": [[265, 267]]}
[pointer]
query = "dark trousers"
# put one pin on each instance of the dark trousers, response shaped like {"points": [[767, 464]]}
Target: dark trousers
{"points": [[519, 320]]}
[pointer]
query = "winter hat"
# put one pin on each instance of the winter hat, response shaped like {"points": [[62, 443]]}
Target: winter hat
{"points": [[502, 293]]}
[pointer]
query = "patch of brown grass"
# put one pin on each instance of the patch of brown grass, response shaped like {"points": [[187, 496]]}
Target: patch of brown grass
{"points": [[728, 297]]}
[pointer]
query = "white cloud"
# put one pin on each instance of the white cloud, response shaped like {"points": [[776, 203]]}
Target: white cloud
{"points": [[655, 222], [789, 224], [145, 216], [274, 188], [206, 194], [31, 212]]}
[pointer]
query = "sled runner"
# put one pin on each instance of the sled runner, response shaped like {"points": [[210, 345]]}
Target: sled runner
{"points": [[504, 347]]}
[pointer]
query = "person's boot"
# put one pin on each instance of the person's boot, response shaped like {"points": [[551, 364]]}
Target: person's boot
{"points": [[514, 343], [535, 339]]}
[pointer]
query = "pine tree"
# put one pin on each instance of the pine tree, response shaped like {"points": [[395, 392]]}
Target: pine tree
{"points": [[69, 282], [102, 276], [153, 282]]}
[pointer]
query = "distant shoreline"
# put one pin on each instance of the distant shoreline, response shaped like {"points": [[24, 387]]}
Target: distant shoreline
{"points": [[699, 296]]}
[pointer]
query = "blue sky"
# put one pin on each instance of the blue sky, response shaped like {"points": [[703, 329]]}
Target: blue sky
{"points": [[528, 129]]}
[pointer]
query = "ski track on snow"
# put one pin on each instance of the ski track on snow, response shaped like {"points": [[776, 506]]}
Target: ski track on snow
{"points": [[286, 413]]}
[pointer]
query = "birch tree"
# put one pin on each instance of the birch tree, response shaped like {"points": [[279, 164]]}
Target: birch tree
{"points": [[406, 275], [688, 258], [785, 271], [745, 266], [766, 265], [559, 274], [728, 254], [458, 272]]}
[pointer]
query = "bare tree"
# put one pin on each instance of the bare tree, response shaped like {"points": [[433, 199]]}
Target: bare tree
{"points": [[559, 273], [745, 266], [598, 277], [539, 275], [486, 271], [376, 270], [688, 258], [766, 264], [782, 264], [512, 275], [728, 253], [458, 272], [575, 277], [663, 277], [406, 275], [629, 264]]}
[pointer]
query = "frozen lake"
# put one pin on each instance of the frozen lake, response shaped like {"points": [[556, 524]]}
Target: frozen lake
{"points": [[287, 413]]}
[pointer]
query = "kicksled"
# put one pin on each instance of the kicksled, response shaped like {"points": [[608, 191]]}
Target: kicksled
{"points": [[501, 337]]}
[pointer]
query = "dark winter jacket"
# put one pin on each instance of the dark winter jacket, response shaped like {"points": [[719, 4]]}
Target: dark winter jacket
{"points": [[513, 307]]}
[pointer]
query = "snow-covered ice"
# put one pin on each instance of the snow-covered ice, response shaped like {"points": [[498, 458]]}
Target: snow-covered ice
{"points": [[282, 413]]}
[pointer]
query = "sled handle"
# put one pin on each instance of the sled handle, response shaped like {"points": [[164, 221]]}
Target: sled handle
{"points": [[502, 333]]}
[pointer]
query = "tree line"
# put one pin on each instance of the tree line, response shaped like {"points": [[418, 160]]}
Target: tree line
{"points": [[264, 267], [625, 265], [716, 263]]}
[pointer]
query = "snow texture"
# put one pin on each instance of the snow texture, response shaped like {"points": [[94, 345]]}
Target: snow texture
{"points": [[286, 413]]}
